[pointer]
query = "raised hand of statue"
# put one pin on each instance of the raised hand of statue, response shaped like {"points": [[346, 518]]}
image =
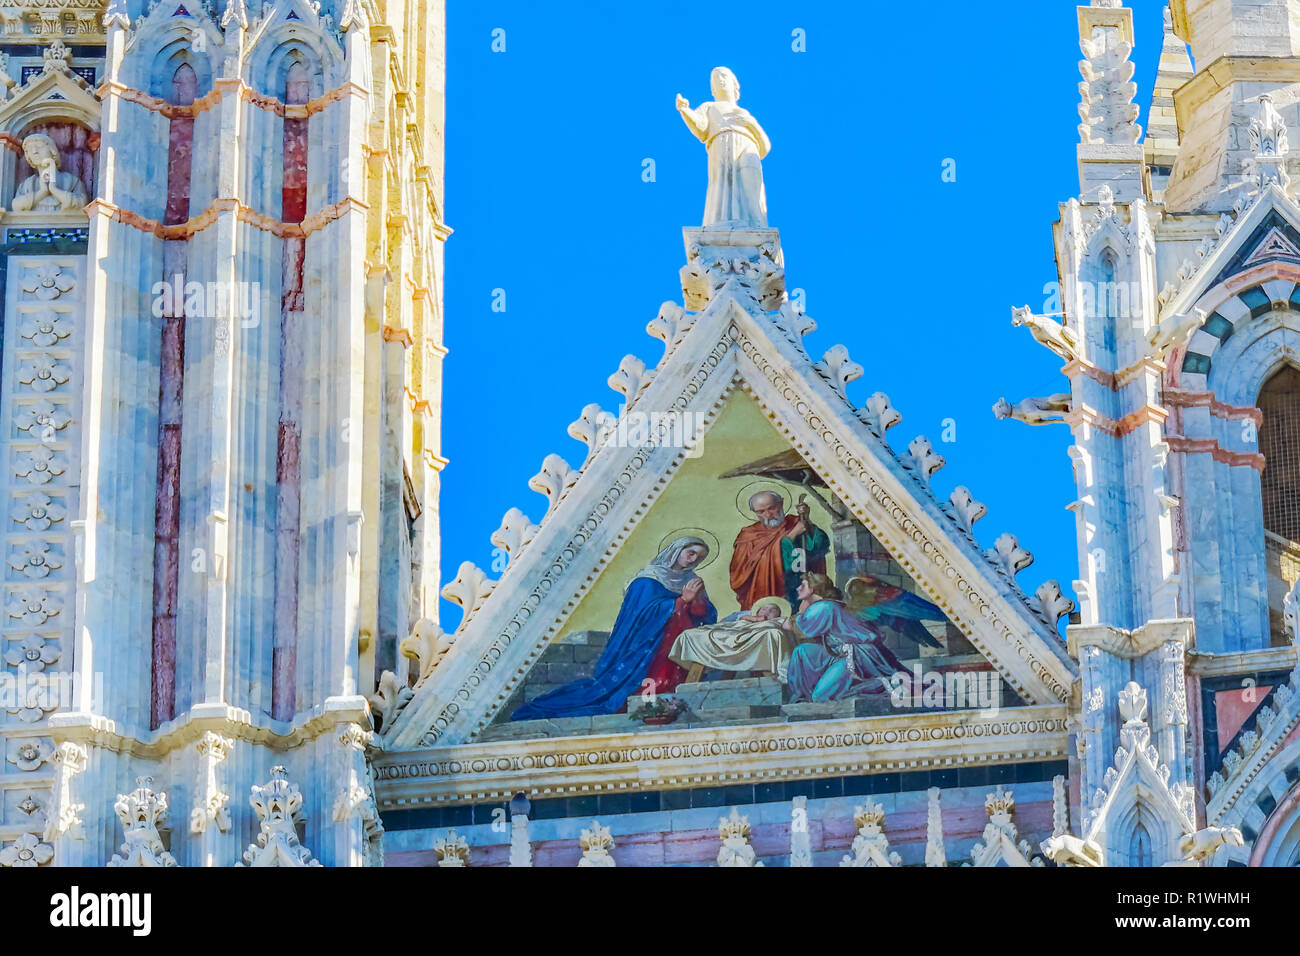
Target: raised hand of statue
{"points": [[683, 104]]}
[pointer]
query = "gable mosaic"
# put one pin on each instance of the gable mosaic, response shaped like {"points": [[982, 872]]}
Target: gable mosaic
{"points": [[747, 580]]}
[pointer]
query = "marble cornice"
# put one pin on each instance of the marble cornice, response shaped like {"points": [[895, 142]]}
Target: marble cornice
{"points": [[1114, 380], [1181, 398], [1118, 428], [1204, 664], [708, 756], [1088, 370], [1211, 446], [246, 93], [96, 730], [1127, 644], [419, 405], [1218, 75], [391, 334], [195, 224]]}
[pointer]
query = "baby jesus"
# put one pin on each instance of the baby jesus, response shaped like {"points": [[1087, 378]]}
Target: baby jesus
{"points": [[753, 641], [763, 612]]}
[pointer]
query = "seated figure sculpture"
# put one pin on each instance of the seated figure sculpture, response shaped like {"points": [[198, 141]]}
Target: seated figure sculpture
{"points": [[47, 189]]}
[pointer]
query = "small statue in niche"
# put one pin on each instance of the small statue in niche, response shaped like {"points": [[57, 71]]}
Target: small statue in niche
{"points": [[47, 188]]}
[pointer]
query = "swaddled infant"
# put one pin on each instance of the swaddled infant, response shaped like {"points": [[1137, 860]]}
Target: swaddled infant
{"points": [[761, 612], [753, 641]]}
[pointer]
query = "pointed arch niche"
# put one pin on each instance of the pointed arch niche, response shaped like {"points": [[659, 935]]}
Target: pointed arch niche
{"points": [[1279, 841], [1279, 443], [60, 105], [1215, 386]]}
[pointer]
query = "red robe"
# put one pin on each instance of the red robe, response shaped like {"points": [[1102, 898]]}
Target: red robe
{"points": [[757, 566], [757, 570], [665, 673]]}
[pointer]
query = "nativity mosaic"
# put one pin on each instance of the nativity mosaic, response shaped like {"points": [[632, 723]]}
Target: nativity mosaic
{"points": [[748, 580]]}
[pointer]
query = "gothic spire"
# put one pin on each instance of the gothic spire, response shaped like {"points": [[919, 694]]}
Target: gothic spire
{"points": [[1175, 69]]}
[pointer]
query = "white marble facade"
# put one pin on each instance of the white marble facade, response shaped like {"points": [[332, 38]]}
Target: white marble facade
{"points": [[253, 689], [220, 164]]}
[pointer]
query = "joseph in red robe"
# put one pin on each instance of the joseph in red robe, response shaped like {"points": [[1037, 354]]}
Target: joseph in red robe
{"points": [[771, 555]]}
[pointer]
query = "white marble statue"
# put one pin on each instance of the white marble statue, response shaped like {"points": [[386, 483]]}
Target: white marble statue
{"points": [[737, 145], [1036, 411], [47, 188]]}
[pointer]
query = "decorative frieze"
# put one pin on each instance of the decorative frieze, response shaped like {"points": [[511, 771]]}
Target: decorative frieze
{"points": [[78, 21], [706, 756]]}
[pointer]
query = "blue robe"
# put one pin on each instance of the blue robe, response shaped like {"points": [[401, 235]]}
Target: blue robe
{"points": [[640, 626], [822, 670]]}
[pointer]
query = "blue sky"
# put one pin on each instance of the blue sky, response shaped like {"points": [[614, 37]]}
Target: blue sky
{"points": [[917, 276]]}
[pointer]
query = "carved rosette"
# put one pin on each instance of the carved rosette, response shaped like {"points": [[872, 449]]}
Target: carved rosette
{"points": [[39, 392]]}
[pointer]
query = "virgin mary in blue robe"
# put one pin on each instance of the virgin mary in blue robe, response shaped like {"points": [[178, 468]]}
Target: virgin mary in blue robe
{"points": [[650, 603]]}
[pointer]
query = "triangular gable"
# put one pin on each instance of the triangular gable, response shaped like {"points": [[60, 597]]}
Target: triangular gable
{"points": [[742, 457], [1272, 212], [291, 15], [1279, 243], [593, 511], [71, 94]]}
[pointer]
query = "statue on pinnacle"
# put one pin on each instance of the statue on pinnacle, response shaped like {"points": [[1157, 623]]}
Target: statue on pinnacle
{"points": [[736, 145]]}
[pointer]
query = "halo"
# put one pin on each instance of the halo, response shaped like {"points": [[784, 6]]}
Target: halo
{"points": [[763, 484], [708, 537], [782, 603]]}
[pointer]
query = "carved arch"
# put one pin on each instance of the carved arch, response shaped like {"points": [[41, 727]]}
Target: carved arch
{"points": [[1141, 826], [1230, 308], [1267, 811], [1102, 274], [169, 58], [1278, 843], [292, 32], [172, 34], [269, 68]]}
